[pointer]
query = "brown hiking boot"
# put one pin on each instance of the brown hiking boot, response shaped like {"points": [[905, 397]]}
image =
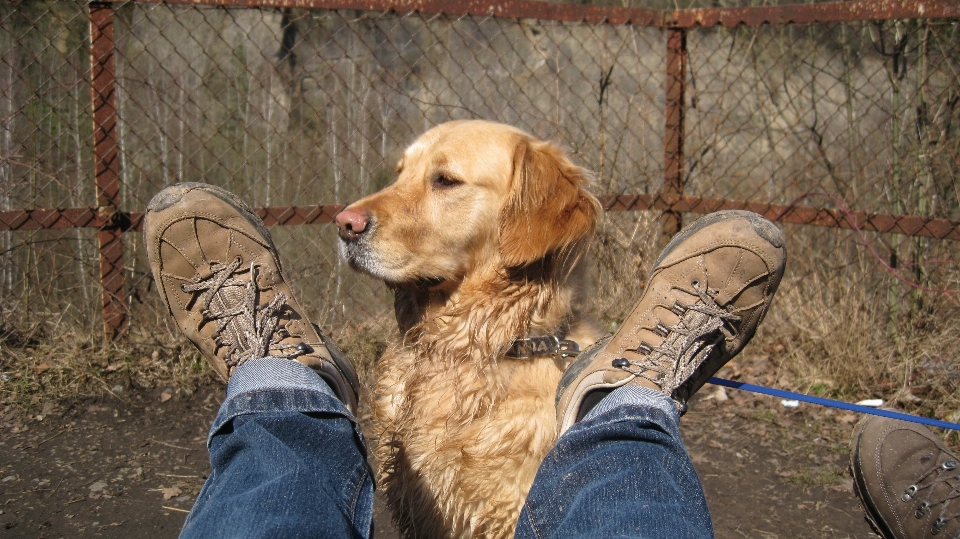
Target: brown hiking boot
{"points": [[706, 295], [219, 275], [906, 479]]}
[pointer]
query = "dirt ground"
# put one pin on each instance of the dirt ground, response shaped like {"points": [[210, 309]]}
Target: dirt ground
{"points": [[130, 465]]}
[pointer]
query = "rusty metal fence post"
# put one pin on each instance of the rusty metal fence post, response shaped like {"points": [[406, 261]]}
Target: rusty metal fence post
{"points": [[676, 68], [107, 169]]}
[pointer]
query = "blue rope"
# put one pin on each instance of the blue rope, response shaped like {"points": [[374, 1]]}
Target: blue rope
{"points": [[834, 403]]}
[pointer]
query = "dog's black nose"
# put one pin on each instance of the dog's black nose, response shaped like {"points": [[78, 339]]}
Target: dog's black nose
{"points": [[352, 223]]}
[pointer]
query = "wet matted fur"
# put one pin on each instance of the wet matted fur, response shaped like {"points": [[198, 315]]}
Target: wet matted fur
{"points": [[481, 237]]}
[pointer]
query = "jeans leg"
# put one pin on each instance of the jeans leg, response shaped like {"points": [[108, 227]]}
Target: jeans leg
{"points": [[288, 460], [621, 472]]}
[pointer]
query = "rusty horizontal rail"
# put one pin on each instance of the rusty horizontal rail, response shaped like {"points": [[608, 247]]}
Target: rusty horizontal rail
{"points": [[51, 219], [682, 18], [815, 13], [298, 215], [909, 225]]}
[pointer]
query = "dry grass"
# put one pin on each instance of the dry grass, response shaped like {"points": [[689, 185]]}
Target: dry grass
{"points": [[837, 343], [36, 369], [622, 254]]}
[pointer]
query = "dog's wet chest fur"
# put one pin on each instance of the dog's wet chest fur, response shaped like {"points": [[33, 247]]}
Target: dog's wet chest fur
{"points": [[463, 429]]}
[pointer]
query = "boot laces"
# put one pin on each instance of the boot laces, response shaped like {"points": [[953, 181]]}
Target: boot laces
{"points": [[685, 345], [926, 485], [247, 329]]}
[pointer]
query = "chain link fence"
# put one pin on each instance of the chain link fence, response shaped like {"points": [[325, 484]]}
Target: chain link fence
{"points": [[855, 116], [847, 131], [47, 277], [296, 107]]}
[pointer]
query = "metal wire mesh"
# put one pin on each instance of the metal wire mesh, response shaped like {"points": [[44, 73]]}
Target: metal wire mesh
{"points": [[47, 277], [858, 115], [301, 107], [287, 106], [866, 112]]}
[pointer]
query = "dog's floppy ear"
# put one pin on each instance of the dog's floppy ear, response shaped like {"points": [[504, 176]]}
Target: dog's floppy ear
{"points": [[548, 209]]}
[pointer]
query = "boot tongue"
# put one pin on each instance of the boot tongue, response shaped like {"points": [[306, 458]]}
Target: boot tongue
{"points": [[246, 318], [679, 315], [668, 354], [230, 297]]}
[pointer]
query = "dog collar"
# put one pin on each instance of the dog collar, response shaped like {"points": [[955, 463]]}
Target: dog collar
{"points": [[542, 346]]}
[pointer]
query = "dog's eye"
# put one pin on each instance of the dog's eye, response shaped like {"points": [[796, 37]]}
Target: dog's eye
{"points": [[444, 182]]}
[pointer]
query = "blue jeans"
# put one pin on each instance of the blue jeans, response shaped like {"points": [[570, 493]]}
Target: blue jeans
{"points": [[289, 460]]}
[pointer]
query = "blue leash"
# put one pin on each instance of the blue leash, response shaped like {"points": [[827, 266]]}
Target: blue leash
{"points": [[834, 403]]}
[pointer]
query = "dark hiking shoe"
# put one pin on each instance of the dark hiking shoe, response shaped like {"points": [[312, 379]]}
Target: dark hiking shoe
{"points": [[219, 275], [906, 479], [705, 297]]}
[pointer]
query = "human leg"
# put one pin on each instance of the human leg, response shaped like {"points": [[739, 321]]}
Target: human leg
{"points": [[618, 405], [622, 471], [287, 460], [287, 456]]}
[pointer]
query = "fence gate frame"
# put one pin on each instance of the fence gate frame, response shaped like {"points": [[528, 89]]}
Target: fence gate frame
{"points": [[670, 200]]}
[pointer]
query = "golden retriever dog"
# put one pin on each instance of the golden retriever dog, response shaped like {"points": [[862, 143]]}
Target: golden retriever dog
{"points": [[480, 238]]}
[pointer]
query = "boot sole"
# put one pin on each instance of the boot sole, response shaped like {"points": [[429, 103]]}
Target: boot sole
{"points": [[867, 504], [175, 193], [764, 228]]}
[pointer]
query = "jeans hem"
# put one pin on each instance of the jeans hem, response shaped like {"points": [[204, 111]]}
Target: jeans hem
{"points": [[277, 400]]}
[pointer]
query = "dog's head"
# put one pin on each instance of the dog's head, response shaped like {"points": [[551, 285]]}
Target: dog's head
{"points": [[469, 195]]}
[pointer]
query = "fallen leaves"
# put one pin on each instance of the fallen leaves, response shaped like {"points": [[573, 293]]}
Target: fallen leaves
{"points": [[170, 492], [100, 489], [98, 486]]}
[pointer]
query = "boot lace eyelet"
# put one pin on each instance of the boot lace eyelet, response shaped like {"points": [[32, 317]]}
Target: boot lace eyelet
{"points": [[661, 329], [922, 510], [908, 494], [949, 465]]}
